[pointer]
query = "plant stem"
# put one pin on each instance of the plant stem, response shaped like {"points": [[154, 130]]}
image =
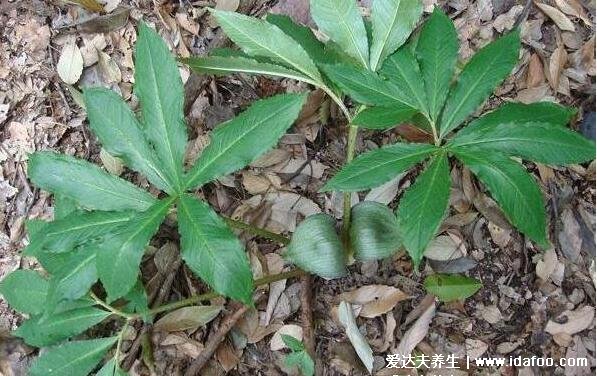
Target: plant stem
{"points": [[108, 307], [212, 294], [350, 151], [257, 231]]}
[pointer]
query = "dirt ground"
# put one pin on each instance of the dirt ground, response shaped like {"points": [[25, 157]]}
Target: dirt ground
{"points": [[531, 303]]}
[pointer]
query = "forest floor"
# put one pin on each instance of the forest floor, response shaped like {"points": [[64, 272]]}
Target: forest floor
{"points": [[531, 303]]}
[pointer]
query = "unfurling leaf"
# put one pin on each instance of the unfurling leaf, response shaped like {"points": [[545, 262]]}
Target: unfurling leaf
{"points": [[373, 231], [76, 358], [316, 247], [212, 252], [424, 206], [449, 287]]}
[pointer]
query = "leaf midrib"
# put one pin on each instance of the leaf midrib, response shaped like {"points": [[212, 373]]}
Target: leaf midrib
{"points": [[79, 359], [414, 92], [384, 40]]}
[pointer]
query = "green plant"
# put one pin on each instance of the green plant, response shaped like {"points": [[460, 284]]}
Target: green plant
{"points": [[104, 223], [298, 356]]}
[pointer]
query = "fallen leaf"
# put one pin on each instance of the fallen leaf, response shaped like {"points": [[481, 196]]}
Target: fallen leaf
{"points": [[459, 265], [573, 8], [90, 5], [187, 318], [374, 299], [358, 341], [418, 329], [444, 248], [385, 193], [227, 356], [255, 184], [547, 265], [556, 16], [271, 158], [535, 75], [112, 164], [277, 343], [108, 68], [229, 5], [557, 61], [70, 63], [573, 321], [569, 236], [475, 348]]}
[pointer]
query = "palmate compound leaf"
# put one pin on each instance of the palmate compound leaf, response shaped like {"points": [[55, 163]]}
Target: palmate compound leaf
{"points": [[378, 166], [373, 231], [25, 291], [437, 52], [76, 358], [392, 22], [240, 141], [212, 251], [383, 117], [423, 207], [118, 256], [533, 141], [122, 136], [519, 113], [366, 87], [43, 331], [316, 247], [159, 88], [85, 183], [449, 287], [341, 21], [260, 38], [512, 187], [479, 77]]}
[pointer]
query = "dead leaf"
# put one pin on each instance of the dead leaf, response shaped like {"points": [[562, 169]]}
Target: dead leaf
{"points": [[227, 356], [557, 61], [108, 68], [229, 5], [70, 63], [501, 236], [535, 76], [271, 158], [358, 341], [90, 5], [112, 164], [573, 8], [255, 184], [386, 192], [547, 265], [444, 248], [374, 299], [418, 330], [187, 318], [291, 330], [569, 235], [106, 23], [573, 321], [556, 16], [475, 348]]}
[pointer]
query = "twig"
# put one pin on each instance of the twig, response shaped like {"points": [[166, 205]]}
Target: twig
{"points": [[212, 345], [307, 315], [257, 231]]}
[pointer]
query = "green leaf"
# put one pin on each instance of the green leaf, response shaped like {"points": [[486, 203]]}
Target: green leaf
{"points": [[378, 166], [383, 117], [119, 256], [532, 141], [76, 358], [373, 231], [403, 71], [138, 301], [78, 228], [303, 36], [302, 360], [519, 113], [111, 368], [449, 287], [45, 331], [225, 65], [85, 183], [480, 76], [25, 291], [120, 133], [63, 206], [513, 188], [423, 207], [392, 22], [73, 275], [212, 251], [260, 38], [366, 87], [316, 248], [292, 343], [437, 53], [159, 88], [341, 21], [240, 141]]}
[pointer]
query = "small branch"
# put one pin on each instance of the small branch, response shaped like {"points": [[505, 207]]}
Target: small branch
{"points": [[108, 307], [257, 231], [307, 315], [350, 152], [212, 345]]}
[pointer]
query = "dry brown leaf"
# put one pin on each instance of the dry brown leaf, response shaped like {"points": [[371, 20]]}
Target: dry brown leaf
{"points": [[292, 330], [229, 5], [535, 76], [556, 16], [385, 193], [547, 265], [573, 321], [70, 63], [501, 236], [358, 341], [271, 158], [227, 356], [109, 69], [374, 299], [112, 164], [444, 248], [418, 330], [557, 61], [569, 236], [573, 8], [90, 5], [255, 184], [187, 318]]}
